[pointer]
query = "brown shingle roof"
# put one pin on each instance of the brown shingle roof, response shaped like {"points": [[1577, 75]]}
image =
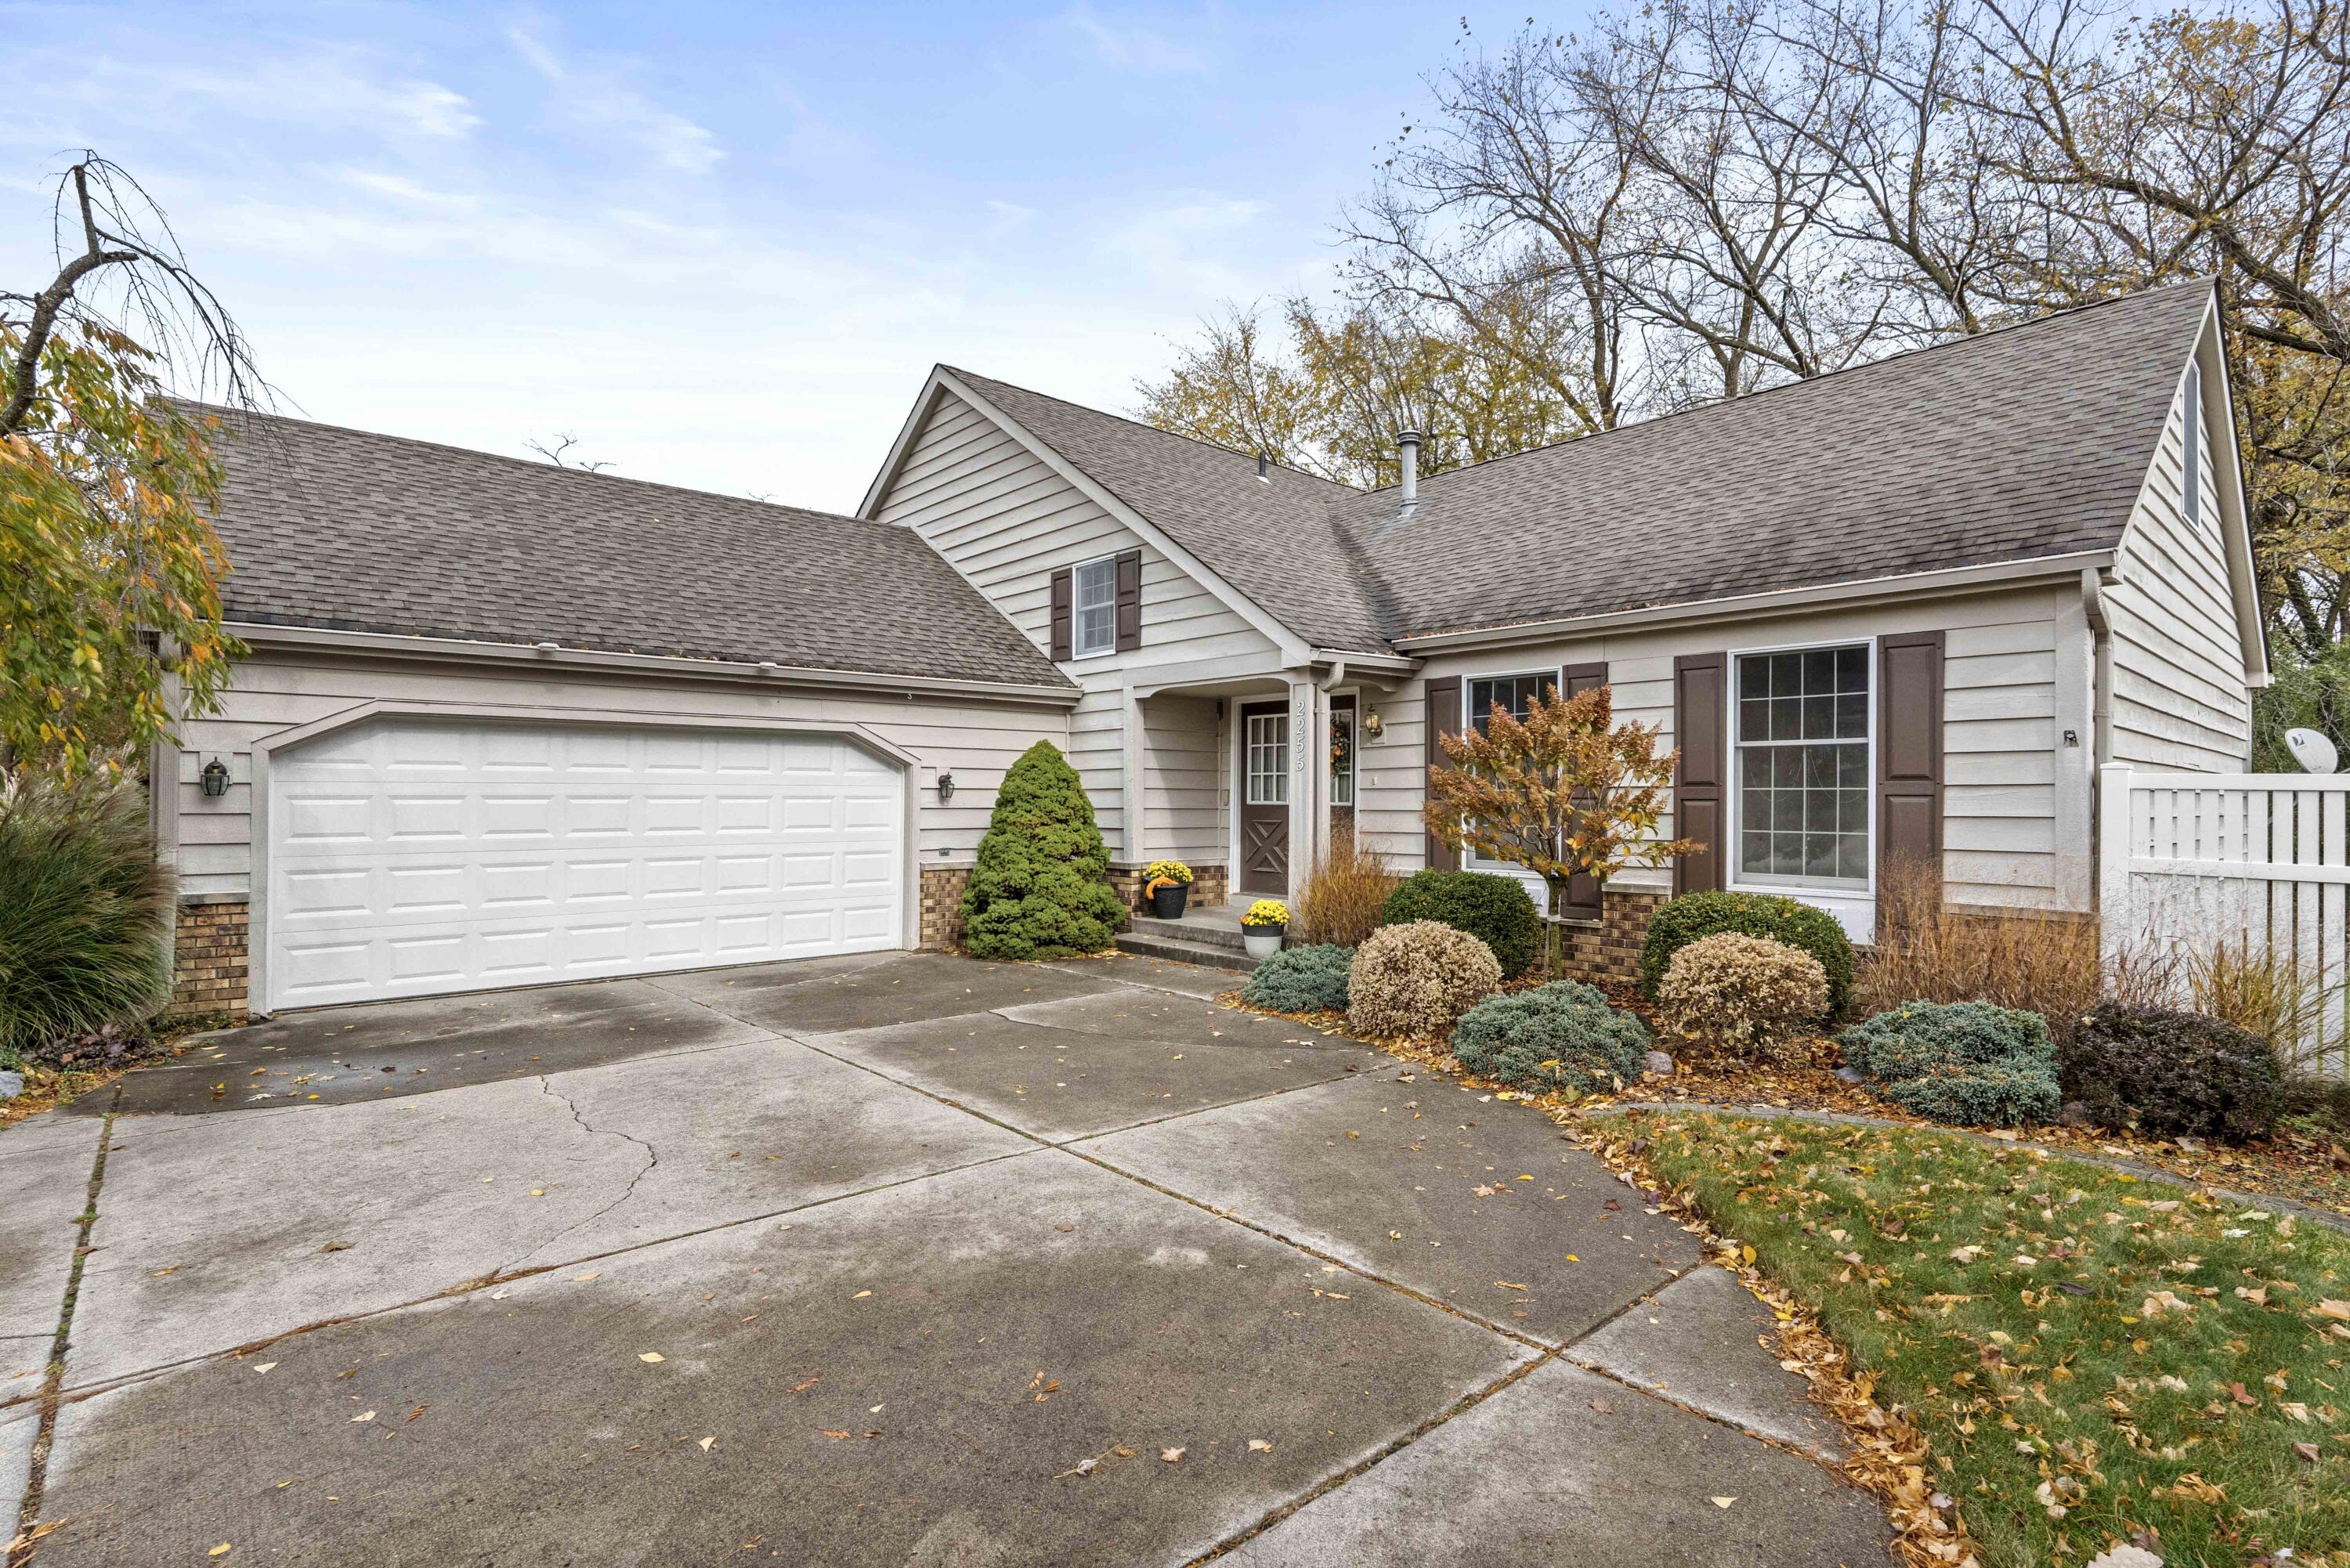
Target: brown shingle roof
{"points": [[2011, 445], [344, 529]]}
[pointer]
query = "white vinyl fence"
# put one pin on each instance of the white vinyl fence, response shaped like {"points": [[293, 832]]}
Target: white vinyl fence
{"points": [[2195, 860]]}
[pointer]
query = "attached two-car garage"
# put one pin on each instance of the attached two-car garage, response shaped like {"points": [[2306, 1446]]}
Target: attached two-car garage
{"points": [[409, 855]]}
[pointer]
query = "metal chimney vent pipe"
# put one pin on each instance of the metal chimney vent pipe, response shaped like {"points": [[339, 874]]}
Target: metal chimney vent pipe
{"points": [[1408, 449]]}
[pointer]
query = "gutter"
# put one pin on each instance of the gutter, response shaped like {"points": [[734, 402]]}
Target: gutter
{"points": [[1783, 601], [2101, 639], [389, 645]]}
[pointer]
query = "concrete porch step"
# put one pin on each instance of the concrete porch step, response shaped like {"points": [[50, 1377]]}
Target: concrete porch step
{"points": [[1147, 944], [1215, 927]]}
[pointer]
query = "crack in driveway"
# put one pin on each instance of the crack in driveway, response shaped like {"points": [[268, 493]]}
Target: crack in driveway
{"points": [[651, 1164]]}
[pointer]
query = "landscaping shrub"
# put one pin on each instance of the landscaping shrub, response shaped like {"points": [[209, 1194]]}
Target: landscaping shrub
{"points": [[1561, 1035], [1694, 916], [2169, 1073], [1969, 1063], [1041, 888], [1344, 896], [85, 911], [2263, 990], [1496, 911], [1745, 992], [1414, 981], [2043, 962], [1301, 980]]}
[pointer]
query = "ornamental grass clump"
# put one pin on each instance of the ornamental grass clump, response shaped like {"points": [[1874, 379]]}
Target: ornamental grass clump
{"points": [[1041, 888], [1344, 897], [2170, 1072], [84, 910], [1413, 981], [1745, 994], [1563, 1035], [1694, 917], [1496, 911], [1301, 980], [1969, 1064]]}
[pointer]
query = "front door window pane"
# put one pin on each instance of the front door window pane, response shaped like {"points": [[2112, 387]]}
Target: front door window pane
{"points": [[1342, 756], [1802, 766], [1267, 759]]}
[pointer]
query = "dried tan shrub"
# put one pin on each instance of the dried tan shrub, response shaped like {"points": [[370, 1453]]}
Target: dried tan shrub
{"points": [[1414, 981], [1747, 994], [1344, 893]]}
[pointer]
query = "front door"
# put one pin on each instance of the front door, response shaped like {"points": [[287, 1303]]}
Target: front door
{"points": [[1264, 798]]}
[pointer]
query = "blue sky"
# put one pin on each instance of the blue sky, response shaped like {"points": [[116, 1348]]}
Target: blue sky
{"points": [[722, 243]]}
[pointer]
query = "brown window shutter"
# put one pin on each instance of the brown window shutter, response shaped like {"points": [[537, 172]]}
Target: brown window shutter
{"points": [[1908, 751], [1129, 601], [1064, 600], [1443, 719], [1701, 729], [1582, 901]]}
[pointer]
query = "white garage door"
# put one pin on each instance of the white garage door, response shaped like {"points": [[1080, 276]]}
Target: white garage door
{"points": [[408, 857]]}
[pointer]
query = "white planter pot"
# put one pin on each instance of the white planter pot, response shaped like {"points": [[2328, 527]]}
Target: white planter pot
{"points": [[1262, 941]]}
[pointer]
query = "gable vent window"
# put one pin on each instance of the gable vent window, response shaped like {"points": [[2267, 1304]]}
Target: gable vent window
{"points": [[1803, 729], [1096, 607], [2192, 440]]}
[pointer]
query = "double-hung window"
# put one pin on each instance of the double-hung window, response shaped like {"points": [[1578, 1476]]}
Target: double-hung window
{"points": [[1510, 692], [1803, 741], [1094, 603]]}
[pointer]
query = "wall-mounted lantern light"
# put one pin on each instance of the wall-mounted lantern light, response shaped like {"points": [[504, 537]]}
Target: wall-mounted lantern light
{"points": [[1373, 724], [946, 788], [214, 779]]}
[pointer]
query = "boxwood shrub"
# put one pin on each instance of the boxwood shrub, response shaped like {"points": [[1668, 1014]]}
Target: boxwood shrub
{"points": [[2169, 1073], [1496, 911], [1680, 921], [1301, 980], [1561, 1035], [1969, 1064]]}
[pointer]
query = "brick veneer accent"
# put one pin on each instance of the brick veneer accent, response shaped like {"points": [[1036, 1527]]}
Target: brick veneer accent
{"points": [[1208, 887], [942, 891], [208, 959], [1608, 955]]}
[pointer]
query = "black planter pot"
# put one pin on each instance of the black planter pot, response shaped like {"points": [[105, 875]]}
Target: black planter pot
{"points": [[1167, 903]]}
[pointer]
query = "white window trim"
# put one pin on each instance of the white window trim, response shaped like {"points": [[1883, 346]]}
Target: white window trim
{"points": [[1856, 907], [1470, 860], [1076, 618]]}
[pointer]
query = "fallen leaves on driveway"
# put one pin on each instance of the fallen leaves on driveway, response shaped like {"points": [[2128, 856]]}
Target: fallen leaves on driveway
{"points": [[652, 1357]]}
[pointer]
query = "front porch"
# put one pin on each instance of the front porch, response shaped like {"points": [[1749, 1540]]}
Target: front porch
{"points": [[1243, 778]]}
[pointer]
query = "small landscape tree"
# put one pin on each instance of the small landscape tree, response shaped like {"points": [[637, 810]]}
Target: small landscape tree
{"points": [[1563, 792], [1041, 888]]}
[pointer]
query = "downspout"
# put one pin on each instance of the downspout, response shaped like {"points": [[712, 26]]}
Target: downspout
{"points": [[2101, 691]]}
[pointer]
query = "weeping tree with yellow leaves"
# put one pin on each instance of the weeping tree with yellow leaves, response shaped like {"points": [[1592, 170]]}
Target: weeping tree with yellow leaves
{"points": [[1563, 792], [109, 566]]}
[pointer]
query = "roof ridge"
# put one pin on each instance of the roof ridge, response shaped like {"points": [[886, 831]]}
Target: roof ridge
{"points": [[1960, 341], [531, 465], [1154, 429]]}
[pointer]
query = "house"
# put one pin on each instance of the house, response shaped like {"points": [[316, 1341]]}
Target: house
{"points": [[507, 724]]}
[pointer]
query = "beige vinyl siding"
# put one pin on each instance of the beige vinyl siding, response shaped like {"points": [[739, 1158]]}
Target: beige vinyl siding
{"points": [[1007, 522], [1182, 780], [2180, 699], [272, 693], [2003, 751]]}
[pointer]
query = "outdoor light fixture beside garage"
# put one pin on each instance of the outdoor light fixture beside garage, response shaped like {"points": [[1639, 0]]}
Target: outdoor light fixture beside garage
{"points": [[214, 779], [946, 788]]}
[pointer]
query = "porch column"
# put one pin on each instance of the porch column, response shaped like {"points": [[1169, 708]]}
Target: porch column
{"points": [[1309, 719], [1130, 774]]}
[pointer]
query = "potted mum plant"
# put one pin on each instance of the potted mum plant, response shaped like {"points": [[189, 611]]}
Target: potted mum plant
{"points": [[1168, 883], [1262, 929]]}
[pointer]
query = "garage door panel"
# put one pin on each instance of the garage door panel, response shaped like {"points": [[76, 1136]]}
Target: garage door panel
{"points": [[411, 857]]}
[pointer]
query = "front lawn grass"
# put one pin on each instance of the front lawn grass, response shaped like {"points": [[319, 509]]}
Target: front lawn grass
{"points": [[2094, 1358]]}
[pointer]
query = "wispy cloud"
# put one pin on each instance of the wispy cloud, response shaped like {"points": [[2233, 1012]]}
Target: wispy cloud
{"points": [[1189, 242], [600, 98], [1131, 47]]}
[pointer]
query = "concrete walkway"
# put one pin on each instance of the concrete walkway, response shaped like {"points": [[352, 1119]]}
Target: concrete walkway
{"points": [[904, 1259]]}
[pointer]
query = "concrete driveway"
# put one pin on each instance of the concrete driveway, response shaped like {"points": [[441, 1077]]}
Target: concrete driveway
{"points": [[905, 1260]]}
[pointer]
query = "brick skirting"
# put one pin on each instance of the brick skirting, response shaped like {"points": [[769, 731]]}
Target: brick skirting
{"points": [[1608, 955], [208, 959], [1208, 887]]}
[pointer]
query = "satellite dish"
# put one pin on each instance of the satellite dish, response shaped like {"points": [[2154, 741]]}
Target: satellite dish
{"points": [[2313, 751]]}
